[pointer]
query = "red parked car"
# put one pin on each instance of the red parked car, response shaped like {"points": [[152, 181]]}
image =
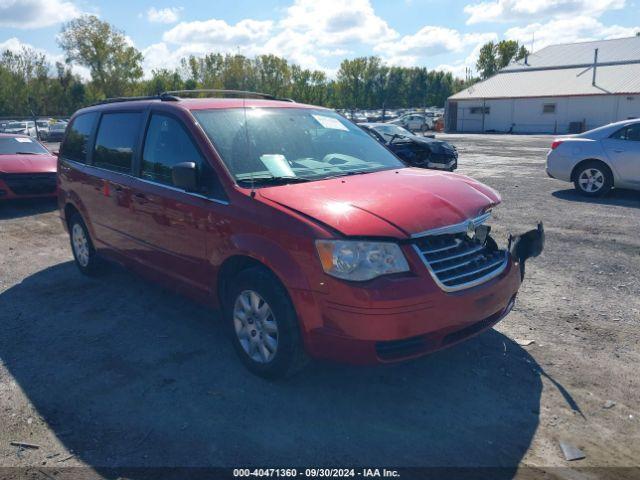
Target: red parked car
{"points": [[312, 238], [27, 169]]}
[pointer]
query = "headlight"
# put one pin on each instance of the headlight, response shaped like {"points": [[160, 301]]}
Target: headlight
{"points": [[359, 261]]}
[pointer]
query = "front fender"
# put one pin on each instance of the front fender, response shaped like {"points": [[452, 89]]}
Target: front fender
{"points": [[283, 262]]}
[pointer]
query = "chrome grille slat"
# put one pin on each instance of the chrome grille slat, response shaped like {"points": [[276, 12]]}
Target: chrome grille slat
{"points": [[458, 265], [448, 247], [455, 261], [458, 255], [473, 272]]}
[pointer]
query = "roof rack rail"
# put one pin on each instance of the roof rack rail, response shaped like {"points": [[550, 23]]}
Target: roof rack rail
{"points": [[162, 97], [240, 93], [172, 96]]}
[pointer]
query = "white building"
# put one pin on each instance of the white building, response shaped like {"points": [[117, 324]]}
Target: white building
{"points": [[560, 89]]}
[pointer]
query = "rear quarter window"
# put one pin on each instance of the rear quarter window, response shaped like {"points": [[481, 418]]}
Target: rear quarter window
{"points": [[77, 139]]}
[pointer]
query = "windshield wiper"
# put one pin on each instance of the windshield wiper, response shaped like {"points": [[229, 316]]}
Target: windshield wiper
{"points": [[347, 174], [26, 153], [272, 180]]}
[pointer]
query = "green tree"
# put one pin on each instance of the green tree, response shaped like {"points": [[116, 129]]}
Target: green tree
{"points": [[114, 64], [487, 63], [506, 50], [494, 56], [522, 52]]}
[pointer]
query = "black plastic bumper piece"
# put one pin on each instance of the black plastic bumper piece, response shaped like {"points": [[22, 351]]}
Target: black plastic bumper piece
{"points": [[529, 244]]}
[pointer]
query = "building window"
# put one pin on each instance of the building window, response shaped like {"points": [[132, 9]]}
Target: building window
{"points": [[478, 110], [549, 108]]}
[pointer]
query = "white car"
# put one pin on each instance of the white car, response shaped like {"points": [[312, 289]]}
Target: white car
{"points": [[22, 128], [414, 122], [597, 160]]}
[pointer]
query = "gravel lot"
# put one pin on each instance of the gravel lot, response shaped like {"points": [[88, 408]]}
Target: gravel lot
{"points": [[120, 373]]}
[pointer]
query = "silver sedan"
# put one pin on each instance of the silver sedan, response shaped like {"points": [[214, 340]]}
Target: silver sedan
{"points": [[598, 160]]}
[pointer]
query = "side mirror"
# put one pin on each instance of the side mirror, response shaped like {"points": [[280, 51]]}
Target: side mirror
{"points": [[184, 176], [56, 153]]}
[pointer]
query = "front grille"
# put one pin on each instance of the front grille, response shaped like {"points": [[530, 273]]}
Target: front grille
{"points": [[440, 158], [457, 261], [30, 183]]}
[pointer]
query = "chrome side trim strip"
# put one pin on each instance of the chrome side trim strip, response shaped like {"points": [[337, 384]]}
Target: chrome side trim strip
{"points": [[455, 228]]}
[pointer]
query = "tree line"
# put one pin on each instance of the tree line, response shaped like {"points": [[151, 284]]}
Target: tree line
{"points": [[29, 84]]}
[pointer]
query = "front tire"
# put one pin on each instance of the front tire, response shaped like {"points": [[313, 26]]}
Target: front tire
{"points": [[263, 325], [593, 179], [84, 253]]}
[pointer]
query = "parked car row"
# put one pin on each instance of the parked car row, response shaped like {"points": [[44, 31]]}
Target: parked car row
{"points": [[40, 128], [411, 119]]}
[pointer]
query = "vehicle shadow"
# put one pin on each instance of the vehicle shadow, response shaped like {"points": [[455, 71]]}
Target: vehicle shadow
{"points": [[618, 196], [10, 209], [128, 375]]}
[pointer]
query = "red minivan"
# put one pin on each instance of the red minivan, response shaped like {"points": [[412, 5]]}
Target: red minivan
{"points": [[311, 238]]}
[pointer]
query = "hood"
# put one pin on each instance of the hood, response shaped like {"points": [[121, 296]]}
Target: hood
{"points": [[391, 203], [28, 163]]}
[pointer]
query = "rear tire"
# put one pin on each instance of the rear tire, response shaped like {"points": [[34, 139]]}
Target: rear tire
{"points": [[593, 179], [263, 325], [84, 253]]}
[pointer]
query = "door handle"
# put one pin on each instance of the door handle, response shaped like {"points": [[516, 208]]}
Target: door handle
{"points": [[117, 188], [140, 198], [618, 150]]}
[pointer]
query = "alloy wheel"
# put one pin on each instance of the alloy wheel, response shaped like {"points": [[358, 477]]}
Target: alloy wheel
{"points": [[591, 180]]}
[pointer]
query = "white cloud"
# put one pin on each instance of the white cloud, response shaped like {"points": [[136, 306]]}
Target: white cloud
{"points": [[515, 10], [35, 13], [308, 30], [218, 34], [567, 30], [16, 45], [337, 22], [164, 15], [430, 41]]}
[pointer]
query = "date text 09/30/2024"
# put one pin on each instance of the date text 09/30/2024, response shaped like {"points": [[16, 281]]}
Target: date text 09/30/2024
{"points": [[316, 472]]}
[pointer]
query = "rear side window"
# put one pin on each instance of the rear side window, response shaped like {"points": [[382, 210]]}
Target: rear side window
{"points": [[116, 140], [77, 139], [166, 145], [630, 132]]}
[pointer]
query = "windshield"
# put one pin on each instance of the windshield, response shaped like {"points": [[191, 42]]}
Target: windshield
{"points": [[391, 130], [290, 143], [16, 145]]}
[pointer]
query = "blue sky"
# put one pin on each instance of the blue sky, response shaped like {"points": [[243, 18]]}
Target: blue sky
{"points": [[320, 33]]}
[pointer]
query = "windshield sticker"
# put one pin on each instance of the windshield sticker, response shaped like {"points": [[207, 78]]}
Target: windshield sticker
{"points": [[330, 122], [23, 140], [277, 165]]}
